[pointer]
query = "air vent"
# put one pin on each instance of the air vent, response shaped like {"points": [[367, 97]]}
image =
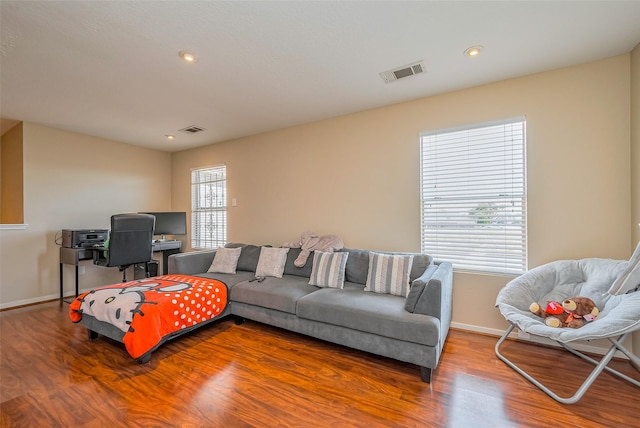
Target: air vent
{"points": [[191, 129], [402, 72]]}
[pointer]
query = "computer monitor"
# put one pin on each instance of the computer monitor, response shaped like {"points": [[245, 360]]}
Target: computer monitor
{"points": [[170, 223]]}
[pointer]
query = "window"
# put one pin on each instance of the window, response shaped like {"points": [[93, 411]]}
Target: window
{"points": [[473, 196], [209, 207]]}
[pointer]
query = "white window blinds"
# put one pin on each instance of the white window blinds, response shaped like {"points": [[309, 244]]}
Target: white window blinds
{"points": [[209, 207], [473, 196]]}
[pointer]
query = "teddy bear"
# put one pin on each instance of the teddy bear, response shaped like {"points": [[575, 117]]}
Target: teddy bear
{"points": [[310, 241], [573, 313]]}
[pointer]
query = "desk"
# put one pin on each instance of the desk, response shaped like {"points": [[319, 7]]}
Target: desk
{"points": [[167, 248], [73, 256]]}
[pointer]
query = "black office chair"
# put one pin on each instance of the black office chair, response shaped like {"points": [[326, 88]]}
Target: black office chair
{"points": [[130, 243]]}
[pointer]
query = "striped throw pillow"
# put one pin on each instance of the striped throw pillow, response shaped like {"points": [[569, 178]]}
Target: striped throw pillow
{"points": [[389, 274], [328, 269]]}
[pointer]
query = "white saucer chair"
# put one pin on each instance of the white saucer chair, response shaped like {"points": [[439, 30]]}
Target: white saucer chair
{"points": [[611, 284]]}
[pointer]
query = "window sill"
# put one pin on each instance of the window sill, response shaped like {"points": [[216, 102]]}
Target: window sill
{"points": [[13, 226]]}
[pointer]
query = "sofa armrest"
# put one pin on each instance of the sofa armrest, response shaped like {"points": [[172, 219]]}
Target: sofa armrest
{"points": [[436, 298], [432, 293], [191, 263]]}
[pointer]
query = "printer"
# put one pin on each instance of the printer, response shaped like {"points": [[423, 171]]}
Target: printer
{"points": [[84, 238]]}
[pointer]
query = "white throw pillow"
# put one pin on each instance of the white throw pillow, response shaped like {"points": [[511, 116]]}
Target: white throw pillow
{"points": [[225, 260], [389, 274], [630, 277], [328, 269], [271, 261]]}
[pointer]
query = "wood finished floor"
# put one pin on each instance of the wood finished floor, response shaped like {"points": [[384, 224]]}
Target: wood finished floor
{"points": [[253, 375]]}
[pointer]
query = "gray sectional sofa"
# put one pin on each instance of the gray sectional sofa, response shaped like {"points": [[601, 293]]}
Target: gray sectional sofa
{"points": [[412, 329]]}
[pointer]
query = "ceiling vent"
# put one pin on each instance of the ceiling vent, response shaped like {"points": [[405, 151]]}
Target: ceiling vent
{"points": [[191, 129], [402, 72]]}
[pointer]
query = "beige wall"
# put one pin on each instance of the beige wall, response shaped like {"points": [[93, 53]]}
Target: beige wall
{"points": [[74, 181], [357, 176], [11, 195]]}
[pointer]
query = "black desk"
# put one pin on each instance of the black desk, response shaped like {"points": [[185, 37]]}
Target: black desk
{"points": [[167, 248], [73, 256]]}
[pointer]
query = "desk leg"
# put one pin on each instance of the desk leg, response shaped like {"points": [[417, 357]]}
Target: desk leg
{"points": [[61, 287], [165, 259], [165, 262], [62, 283]]}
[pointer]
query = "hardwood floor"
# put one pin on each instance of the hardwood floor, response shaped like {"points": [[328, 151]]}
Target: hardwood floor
{"points": [[253, 375]]}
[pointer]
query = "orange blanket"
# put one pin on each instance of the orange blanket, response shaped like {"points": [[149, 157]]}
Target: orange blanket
{"points": [[152, 310]]}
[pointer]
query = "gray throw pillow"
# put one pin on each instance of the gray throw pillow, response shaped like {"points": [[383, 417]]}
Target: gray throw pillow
{"points": [[420, 263], [271, 262], [357, 266], [249, 256], [292, 269], [417, 288], [225, 260]]}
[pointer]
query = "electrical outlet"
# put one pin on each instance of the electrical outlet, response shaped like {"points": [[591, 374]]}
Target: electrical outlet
{"points": [[81, 270]]}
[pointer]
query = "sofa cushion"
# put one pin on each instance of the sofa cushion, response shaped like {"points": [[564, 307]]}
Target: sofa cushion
{"points": [[249, 256], [381, 314], [353, 286], [280, 294], [328, 269], [291, 269], [358, 264], [225, 260], [271, 262], [389, 274]]}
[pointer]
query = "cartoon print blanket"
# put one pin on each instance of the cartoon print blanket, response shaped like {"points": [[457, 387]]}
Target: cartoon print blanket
{"points": [[151, 310]]}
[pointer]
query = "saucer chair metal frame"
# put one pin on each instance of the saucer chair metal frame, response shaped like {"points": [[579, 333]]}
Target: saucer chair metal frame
{"points": [[619, 314]]}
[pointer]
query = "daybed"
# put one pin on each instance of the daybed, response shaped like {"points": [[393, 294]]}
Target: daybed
{"points": [[143, 314], [410, 325]]}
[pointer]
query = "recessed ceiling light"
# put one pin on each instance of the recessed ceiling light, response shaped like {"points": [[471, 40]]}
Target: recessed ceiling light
{"points": [[169, 137], [187, 56], [473, 51]]}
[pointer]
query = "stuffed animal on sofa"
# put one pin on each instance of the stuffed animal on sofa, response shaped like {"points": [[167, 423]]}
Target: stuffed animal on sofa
{"points": [[309, 241], [573, 313]]}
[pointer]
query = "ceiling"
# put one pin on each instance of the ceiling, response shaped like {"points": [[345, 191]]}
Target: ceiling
{"points": [[111, 68]]}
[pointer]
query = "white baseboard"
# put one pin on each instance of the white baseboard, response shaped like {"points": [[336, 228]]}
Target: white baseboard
{"points": [[28, 301], [580, 346], [35, 300]]}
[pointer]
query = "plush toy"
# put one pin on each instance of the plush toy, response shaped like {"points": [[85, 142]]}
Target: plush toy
{"points": [[573, 313], [309, 241]]}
